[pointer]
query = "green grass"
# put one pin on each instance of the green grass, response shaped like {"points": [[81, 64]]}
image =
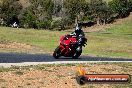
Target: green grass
{"points": [[41, 38], [116, 45], [114, 42]]}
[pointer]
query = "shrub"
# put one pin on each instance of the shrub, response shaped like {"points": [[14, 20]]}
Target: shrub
{"points": [[10, 9], [43, 24], [120, 7]]}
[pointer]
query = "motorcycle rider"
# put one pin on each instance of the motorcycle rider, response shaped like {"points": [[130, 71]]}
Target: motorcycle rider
{"points": [[78, 33], [72, 49]]}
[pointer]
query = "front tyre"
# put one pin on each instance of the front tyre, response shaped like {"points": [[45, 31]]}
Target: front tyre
{"points": [[77, 53], [57, 53]]}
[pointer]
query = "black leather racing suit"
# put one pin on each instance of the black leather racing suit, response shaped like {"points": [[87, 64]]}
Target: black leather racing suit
{"points": [[79, 36]]}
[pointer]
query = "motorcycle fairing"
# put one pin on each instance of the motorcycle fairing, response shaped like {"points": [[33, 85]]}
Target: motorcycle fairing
{"points": [[66, 48]]}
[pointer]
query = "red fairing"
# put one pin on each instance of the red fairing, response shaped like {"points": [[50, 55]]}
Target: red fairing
{"points": [[68, 41], [65, 45], [73, 40], [68, 47], [62, 38], [62, 48]]}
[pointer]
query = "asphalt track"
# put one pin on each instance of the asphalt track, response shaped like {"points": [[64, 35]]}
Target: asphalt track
{"points": [[9, 59]]}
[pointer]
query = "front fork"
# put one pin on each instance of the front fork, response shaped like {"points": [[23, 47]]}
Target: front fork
{"points": [[79, 48]]}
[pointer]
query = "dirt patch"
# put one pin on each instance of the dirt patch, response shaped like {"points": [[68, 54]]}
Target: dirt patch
{"points": [[9, 46], [57, 76], [14, 45], [97, 28]]}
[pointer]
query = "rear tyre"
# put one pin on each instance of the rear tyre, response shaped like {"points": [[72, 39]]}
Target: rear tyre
{"points": [[57, 53]]}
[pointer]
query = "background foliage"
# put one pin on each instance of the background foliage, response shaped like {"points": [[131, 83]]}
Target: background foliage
{"points": [[42, 14]]}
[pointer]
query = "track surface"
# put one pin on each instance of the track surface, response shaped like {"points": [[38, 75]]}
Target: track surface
{"points": [[8, 59]]}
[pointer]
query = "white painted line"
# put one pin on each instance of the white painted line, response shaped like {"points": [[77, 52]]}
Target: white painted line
{"points": [[54, 62]]}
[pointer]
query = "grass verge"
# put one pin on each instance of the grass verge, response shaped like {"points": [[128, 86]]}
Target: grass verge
{"points": [[113, 42], [109, 43]]}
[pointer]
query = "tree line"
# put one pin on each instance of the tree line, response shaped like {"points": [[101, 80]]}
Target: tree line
{"points": [[62, 14]]}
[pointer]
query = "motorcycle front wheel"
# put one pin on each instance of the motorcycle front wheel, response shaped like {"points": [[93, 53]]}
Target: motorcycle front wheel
{"points": [[77, 53], [57, 53]]}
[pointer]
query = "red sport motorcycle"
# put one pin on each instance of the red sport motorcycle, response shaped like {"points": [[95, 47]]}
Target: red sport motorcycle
{"points": [[69, 46]]}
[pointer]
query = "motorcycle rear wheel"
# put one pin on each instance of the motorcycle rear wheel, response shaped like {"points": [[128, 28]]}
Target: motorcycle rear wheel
{"points": [[57, 53]]}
